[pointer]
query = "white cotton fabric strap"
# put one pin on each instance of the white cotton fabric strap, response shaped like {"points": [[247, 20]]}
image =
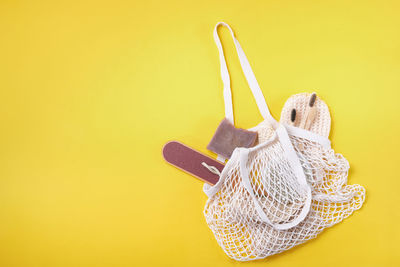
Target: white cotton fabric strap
{"points": [[248, 72]]}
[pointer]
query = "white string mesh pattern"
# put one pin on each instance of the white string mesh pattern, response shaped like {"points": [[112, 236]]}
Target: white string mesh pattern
{"points": [[327, 174], [274, 184], [231, 214], [239, 230]]}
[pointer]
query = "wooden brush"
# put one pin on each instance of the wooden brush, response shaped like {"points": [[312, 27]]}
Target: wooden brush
{"points": [[310, 114]]}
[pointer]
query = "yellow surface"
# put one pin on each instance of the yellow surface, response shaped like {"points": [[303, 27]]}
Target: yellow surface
{"points": [[90, 91]]}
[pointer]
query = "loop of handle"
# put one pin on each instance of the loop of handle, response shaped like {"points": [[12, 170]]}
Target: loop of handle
{"points": [[297, 170], [248, 72], [281, 131]]}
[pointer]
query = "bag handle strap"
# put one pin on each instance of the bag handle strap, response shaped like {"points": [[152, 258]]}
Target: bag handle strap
{"points": [[248, 72]]}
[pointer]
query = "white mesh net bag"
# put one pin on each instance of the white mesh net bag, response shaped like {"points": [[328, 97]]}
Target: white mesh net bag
{"points": [[326, 171], [262, 203]]}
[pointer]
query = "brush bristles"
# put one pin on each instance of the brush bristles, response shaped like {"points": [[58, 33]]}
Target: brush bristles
{"points": [[293, 115], [312, 99]]}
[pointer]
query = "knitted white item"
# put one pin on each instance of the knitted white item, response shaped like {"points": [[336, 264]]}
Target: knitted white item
{"points": [[260, 205], [322, 123]]}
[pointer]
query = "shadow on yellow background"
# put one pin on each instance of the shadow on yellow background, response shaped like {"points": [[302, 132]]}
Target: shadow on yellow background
{"points": [[91, 90]]}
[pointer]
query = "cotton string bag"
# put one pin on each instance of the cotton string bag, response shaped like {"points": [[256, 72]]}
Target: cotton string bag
{"points": [[327, 170], [257, 208], [285, 200]]}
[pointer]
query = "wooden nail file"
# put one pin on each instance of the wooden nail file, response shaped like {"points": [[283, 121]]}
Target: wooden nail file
{"points": [[190, 161]]}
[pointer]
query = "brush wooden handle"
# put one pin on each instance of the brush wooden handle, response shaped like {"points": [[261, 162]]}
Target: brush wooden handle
{"points": [[304, 119], [312, 114]]}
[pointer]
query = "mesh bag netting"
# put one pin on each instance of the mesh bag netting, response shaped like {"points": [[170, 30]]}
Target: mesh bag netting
{"points": [[285, 190], [246, 214], [279, 196]]}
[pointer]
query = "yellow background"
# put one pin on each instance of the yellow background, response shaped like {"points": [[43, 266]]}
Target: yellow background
{"points": [[91, 90]]}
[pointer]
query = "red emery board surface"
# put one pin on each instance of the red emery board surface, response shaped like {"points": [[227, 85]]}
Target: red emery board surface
{"points": [[190, 161]]}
